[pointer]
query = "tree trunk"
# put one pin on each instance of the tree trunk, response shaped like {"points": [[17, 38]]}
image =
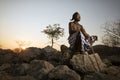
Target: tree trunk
{"points": [[52, 42]]}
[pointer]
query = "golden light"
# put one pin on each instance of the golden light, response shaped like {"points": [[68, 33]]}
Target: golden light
{"points": [[23, 47]]}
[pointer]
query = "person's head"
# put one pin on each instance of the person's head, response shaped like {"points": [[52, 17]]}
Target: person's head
{"points": [[76, 16]]}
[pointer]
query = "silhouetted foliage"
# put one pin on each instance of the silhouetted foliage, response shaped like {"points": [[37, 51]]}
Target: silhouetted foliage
{"points": [[54, 32], [111, 34], [22, 44]]}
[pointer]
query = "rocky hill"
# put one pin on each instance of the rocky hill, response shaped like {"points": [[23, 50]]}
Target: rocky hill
{"points": [[110, 53], [49, 64], [106, 50]]}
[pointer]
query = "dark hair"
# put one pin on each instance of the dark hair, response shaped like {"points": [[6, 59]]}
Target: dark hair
{"points": [[74, 15]]}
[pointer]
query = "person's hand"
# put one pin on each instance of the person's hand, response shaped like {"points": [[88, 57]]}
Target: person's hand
{"points": [[88, 38]]}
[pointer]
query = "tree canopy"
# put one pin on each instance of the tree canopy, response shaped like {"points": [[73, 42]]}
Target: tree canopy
{"points": [[54, 32], [111, 34]]}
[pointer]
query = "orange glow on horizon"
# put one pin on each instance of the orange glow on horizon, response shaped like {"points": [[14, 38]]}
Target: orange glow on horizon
{"points": [[23, 47]]}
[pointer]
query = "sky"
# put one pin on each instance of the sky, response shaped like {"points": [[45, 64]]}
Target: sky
{"points": [[23, 20]]}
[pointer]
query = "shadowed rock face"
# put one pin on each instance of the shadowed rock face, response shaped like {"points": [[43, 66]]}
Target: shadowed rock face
{"points": [[106, 51], [96, 76], [50, 64], [62, 72], [39, 69], [110, 53]]}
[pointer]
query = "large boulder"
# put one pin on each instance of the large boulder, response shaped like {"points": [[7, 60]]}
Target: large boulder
{"points": [[39, 69], [49, 49], [112, 70], [64, 48], [62, 72], [20, 69], [7, 56], [51, 55], [66, 55], [86, 63], [29, 54], [5, 67]]}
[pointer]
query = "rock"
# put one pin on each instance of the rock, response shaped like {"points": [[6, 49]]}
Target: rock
{"points": [[49, 49], [7, 56], [64, 48], [107, 62], [20, 69], [26, 66], [112, 73], [30, 54], [5, 76], [51, 55], [27, 77], [118, 75], [62, 72], [39, 69], [96, 76], [87, 63], [66, 55], [112, 70], [114, 59], [5, 66]]}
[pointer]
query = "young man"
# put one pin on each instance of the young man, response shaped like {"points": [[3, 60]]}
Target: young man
{"points": [[75, 31]]}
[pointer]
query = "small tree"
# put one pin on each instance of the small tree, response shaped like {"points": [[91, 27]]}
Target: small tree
{"points": [[111, 34], [54, 32]]}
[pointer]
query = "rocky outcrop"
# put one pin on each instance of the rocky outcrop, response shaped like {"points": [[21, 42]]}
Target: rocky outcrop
{"points": [[110, 53], [49, 64], [39, 69], [114, 59], [62, 72], [8, 56], [30, 54], [6, 76], [97, 76], [87, 63]]}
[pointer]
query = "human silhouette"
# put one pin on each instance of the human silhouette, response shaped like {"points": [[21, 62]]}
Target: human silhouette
{"points": [[75, 31]]}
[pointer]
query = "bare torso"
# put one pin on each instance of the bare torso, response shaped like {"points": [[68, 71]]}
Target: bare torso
{"points": [[76, 27]]}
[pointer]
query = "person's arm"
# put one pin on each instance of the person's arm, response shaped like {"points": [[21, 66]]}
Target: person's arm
{"points": [[87, 36]]}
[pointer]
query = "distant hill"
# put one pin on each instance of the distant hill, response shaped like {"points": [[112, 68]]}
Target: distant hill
{"points": [[106, 51]]}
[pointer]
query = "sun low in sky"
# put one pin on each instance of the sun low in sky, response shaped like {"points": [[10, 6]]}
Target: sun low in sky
{"points": [[25, 19]]}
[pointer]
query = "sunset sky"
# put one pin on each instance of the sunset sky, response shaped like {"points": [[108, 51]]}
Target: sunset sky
{"points": [[23, 20]]}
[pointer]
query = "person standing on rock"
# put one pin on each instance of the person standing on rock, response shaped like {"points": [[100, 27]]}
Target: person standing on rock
{"points": [[75, 31]]}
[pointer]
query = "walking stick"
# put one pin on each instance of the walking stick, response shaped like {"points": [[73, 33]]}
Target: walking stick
{"points": [[95, 57]]}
